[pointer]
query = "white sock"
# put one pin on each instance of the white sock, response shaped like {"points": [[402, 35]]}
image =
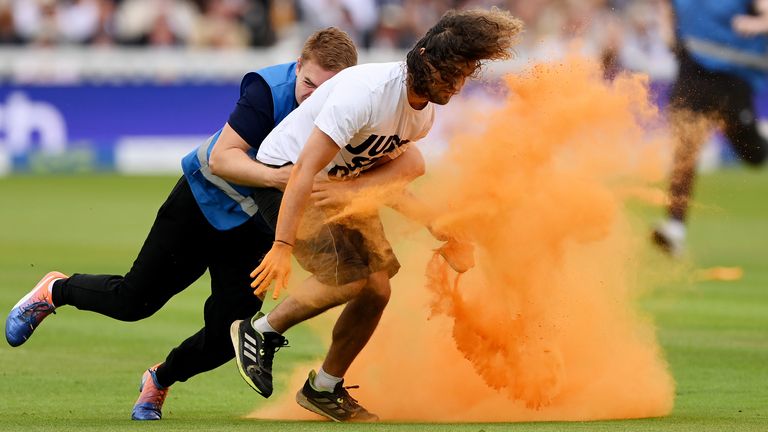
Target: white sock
{"points": [[262, 325], [325, 382], [674, 229]]}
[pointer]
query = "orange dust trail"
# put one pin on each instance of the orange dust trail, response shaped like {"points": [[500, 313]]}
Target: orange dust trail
{"points": [[546, 326]]}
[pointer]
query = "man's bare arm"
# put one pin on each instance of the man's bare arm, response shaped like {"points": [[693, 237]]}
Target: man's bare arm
{"points": [[394, 172], [230, 161]]}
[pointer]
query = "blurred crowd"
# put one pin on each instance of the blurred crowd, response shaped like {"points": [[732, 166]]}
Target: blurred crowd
{"points": [[630, 34]]}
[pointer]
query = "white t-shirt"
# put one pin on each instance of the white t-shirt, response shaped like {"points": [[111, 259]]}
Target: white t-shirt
{"points": [[364, 109]]}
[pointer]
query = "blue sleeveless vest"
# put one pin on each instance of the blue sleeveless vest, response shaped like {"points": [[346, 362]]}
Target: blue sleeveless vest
{"points": [[704, 28], [224, 204]]}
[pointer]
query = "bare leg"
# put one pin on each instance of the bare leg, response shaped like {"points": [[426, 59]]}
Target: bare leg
{"points": [[356, 324], [690, 131], [311, 299]]}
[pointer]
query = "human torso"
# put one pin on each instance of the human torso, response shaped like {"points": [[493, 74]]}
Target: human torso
{"points": [[364, 109]]}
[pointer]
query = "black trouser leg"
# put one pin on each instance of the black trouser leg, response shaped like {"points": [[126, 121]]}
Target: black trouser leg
{"points": [[169, 261], [708, 95], [177, 251], [238, 252], [739, 116]]}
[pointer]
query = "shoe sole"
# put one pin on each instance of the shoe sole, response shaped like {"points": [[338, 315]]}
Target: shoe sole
{"points": [[306, 404], [47, 279], [309, 406], [234, 335], [44, 281]]}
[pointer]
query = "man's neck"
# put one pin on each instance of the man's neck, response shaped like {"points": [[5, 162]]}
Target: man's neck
{"points": [[417, 102]]}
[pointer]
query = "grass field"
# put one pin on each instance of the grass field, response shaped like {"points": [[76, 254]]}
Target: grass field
{"points": [[81, 370]]}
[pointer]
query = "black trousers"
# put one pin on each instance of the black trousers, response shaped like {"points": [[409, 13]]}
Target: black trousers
{"points": [[179, 248]]}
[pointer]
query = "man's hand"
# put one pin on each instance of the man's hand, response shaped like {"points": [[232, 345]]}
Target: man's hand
{"points": [[438, 232], [750, 25], [276, 266], [280, 177], [459, 255], [330, 194]]}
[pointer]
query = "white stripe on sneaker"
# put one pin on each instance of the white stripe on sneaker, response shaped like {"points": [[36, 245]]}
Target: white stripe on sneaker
{"points": [[250, 356], [249, 338]]}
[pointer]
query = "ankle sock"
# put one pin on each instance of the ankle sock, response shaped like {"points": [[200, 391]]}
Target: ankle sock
{"points": [[325, 381], [262, 325]]}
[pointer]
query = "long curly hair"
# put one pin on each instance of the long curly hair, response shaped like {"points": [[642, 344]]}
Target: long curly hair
{"points": [[459, 40]]}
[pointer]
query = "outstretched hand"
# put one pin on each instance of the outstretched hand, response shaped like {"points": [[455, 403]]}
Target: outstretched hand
{"points": [[332, 193], [276, 266], [460, 255]]}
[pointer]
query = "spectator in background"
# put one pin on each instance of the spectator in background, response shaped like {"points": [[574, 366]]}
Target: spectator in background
{"points": [[722, 48], [356, 17], [50, 22], [155, 22], [646, 40], [258, 19], [8, 33], [220, 25]]}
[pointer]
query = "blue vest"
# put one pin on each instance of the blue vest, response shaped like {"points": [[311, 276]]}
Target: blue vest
{"points": [[704, 28], [224, 204]]}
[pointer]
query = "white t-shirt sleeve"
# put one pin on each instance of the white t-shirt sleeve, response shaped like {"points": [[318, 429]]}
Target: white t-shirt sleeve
{"points": [[346, 111]]}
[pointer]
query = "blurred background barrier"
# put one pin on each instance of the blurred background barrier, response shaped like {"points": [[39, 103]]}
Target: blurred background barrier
{"points": [[131, 85]]}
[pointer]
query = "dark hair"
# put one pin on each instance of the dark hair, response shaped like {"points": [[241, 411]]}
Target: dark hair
{"points": [[332, 49], [461, 39]]}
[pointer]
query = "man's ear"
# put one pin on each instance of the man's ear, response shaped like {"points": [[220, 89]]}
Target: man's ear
{"points": [[298, 66], [422, 50]]}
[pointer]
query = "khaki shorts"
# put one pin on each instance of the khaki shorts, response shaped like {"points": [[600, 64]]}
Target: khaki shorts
{"points": [[335, 253]]}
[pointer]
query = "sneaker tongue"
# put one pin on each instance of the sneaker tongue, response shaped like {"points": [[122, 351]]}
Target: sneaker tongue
{"points": [[339, 387], [274, 339]]}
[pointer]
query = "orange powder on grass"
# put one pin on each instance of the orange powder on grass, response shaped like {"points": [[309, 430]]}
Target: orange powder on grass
{"points": [[545, 327]]}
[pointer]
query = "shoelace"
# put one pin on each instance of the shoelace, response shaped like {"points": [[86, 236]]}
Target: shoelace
{"points": [[271, 347], [348, 401], [31, 311]]}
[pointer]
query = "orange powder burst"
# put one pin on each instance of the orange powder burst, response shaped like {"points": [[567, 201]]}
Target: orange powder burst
{"points": [[545, 327]]}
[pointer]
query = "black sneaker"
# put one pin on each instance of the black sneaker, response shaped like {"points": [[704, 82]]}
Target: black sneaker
{"points": [[254, 353], [337, 405]]}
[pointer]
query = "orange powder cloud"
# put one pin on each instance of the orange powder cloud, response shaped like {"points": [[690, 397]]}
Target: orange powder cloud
{"points": [[545, 327]]}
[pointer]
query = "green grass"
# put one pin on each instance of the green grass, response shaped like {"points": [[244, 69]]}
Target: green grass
{"points": [[81, 371]]}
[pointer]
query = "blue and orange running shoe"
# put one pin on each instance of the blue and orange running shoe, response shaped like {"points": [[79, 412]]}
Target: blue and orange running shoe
{"points": [[149, 405], [31, 310]]}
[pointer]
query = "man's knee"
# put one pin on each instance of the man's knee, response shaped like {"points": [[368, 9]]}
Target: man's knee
{"points": [[136, 308], [350, 290], [378, 288]]}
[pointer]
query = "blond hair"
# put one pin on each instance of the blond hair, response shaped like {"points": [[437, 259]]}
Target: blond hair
{"points": [[331, 49]]}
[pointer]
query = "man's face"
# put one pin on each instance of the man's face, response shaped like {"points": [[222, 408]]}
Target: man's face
{"points": [[309, 76], [441, 91]]}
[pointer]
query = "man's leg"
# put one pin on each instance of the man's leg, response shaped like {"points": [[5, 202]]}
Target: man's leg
{"points": [[740, 119], [169, 261], [324, 392], [356, 324], [690, 131], [310, 299], [256, 340], [694, 97], [234, 254], [165, 265]]}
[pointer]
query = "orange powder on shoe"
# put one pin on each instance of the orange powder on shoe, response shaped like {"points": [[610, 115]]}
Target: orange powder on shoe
{"points": [[545, 327]]}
